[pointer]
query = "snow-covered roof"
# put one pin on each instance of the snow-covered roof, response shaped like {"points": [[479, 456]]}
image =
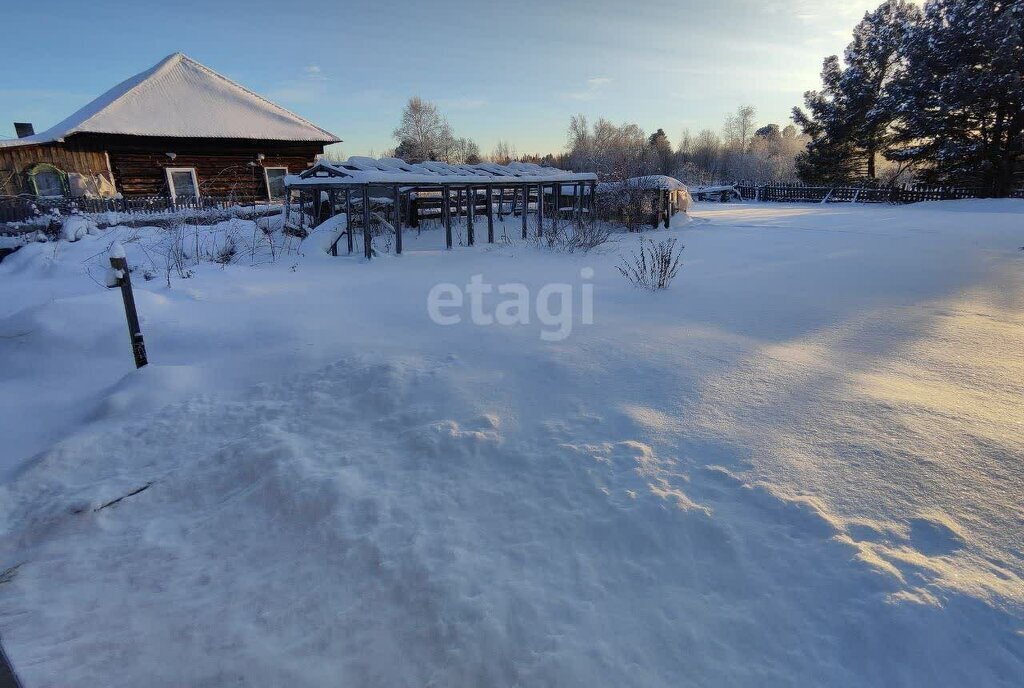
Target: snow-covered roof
{"points": [[359, 170], [651, 181], [180, 97]]}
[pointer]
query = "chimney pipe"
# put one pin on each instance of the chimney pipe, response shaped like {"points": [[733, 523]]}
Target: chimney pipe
{"points": [[23, 129]]}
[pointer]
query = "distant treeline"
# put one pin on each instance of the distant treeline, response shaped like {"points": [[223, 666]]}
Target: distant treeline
{"points": [[933, 96]]}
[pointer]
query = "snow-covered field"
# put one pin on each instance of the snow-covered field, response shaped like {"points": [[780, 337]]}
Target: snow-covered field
{"points": [[802, 465]]}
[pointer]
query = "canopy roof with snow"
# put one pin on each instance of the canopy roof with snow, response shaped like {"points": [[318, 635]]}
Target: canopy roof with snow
{"points": [[651, 181], [359, 170], [179, 97]]}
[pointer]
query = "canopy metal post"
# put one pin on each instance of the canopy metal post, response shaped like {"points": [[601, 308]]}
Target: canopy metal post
{"points": [[489, 196], [348, 218], [593, 201], [525, 191], [398, 220], [446, 212], [556, 204], [367, 240], [540, 209], [470, 212], [331, 195], [577, 203], [668, 208]]}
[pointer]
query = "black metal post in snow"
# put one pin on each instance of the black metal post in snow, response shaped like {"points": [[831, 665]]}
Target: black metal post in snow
{"points": [[367, 240], [470, 212], [525, 191], [446, 212], [398, 220], [668, 208], [490, 214], [348, 218], [131, 314]]}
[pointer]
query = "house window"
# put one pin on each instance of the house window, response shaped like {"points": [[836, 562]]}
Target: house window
{"points": [[182, 182], [275, 182], [47, 180]]}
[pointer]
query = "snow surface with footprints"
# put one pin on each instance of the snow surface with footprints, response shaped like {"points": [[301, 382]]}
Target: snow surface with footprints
{"points": [[801, 465]]}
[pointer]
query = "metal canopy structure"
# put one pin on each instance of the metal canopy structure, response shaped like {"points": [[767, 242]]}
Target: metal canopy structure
{"points": [[396, 185]]}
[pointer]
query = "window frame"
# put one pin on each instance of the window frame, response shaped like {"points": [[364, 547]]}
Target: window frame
{"points": [[266, 180], [43, 167], [169, 172]]}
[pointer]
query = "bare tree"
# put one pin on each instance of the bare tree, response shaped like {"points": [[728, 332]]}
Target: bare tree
{"points": [[707, 155], [424, 134], [739, 128], [464, 151], [616, 152], [503, 153]]}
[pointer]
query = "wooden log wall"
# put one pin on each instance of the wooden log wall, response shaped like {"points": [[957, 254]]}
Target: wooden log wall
{"points": [[138, 162], [72, 157], [222, 165]]}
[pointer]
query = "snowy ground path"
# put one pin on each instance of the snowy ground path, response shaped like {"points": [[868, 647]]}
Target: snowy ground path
{"points": [[802, 465]]}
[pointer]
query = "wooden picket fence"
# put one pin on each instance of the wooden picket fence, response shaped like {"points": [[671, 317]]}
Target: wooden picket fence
{"points": [[22, 208], [799, 193]]}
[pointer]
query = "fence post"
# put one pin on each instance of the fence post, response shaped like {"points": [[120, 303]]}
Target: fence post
{"points": [[123, 279]]}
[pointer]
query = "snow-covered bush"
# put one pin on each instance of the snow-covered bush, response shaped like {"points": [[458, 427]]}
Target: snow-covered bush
{"points": [[77, 226], [655, 266]]}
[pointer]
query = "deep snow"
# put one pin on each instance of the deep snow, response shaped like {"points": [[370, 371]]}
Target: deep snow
{"points": [[801, 465]]}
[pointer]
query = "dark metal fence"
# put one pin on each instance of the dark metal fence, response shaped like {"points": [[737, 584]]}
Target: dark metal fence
{"points": [[22, 208], [799, 193]]}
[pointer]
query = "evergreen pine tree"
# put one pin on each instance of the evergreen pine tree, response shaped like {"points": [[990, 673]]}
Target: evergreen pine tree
{"points": [[663, 149], [961, 100], [850, 119]]}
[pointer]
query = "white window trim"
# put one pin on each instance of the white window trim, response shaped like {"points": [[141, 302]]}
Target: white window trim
{"points": [[170, 179], [266, 179]]}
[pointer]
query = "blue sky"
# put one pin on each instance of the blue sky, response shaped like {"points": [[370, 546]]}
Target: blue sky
{"points": [[512, 70]]}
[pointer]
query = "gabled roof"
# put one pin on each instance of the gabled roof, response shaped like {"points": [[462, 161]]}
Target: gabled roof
{"points": [[180, 97]]}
